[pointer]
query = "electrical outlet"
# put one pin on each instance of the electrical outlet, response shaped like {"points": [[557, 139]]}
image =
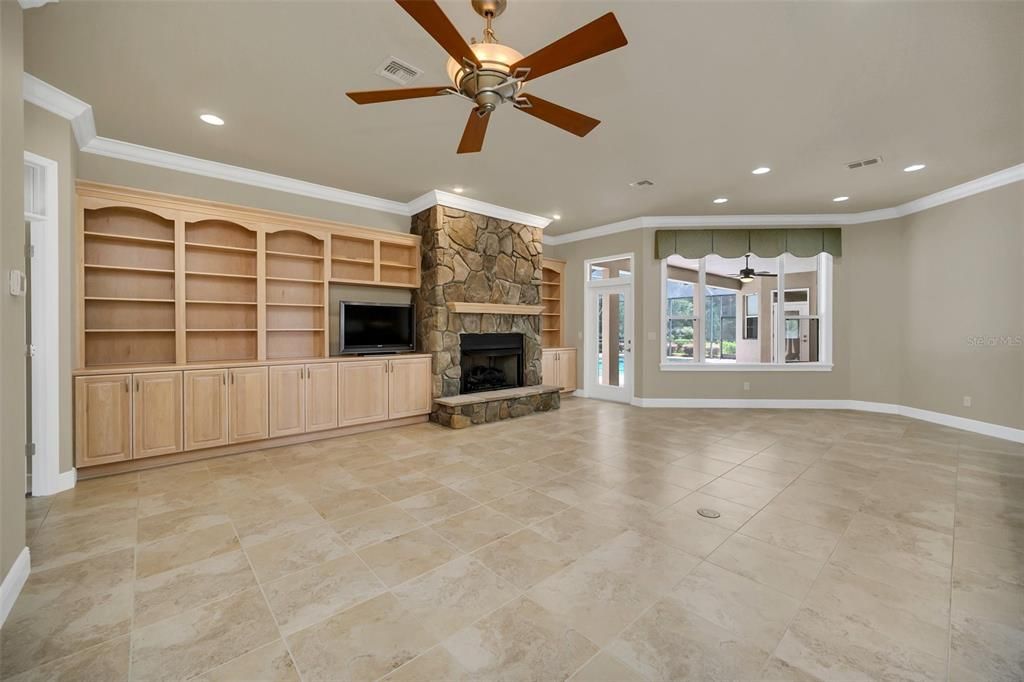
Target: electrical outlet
{"points": [[967, 401], [746, 385]]}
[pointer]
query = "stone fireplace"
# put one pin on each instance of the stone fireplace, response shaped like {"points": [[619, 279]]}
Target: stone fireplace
{"points": [[480, 278], [491, 362]]}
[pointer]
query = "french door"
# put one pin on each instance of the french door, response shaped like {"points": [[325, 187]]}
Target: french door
{"points": [[609, 342]]}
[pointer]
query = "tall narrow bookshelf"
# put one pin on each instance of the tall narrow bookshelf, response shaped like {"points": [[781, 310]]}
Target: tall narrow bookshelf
{"points": [[220, 292], [128, 287], [551, 296], [295, 295]]}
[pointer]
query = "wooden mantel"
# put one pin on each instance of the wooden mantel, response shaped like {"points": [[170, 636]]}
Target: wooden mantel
{"points": [[495, 308]]}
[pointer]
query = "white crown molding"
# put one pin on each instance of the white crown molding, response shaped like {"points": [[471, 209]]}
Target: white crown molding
{"points": [[56, 101], [961, 191], [12, 583], [464, 203], [952, 421], [127, 151], [32, 4]]}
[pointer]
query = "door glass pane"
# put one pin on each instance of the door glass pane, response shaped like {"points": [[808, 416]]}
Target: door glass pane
{"points": [[610, 269], [611, 334]]}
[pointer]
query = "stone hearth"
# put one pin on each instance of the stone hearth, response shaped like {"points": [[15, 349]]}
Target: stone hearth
{"points": [[472, 258], [481, 408]]}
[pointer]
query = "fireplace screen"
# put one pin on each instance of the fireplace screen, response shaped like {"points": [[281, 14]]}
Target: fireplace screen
{"points": [[491, 361]]}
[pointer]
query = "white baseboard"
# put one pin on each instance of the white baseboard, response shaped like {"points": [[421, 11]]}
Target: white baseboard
{"points": [[13, 582], [66, 481], [973, 425]]}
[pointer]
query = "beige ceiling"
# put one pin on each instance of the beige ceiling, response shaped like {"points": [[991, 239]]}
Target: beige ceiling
{"points": [[703, 93]]}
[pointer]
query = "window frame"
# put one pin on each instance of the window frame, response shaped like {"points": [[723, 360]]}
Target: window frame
{"points": [[699, 363], [747, 317]]}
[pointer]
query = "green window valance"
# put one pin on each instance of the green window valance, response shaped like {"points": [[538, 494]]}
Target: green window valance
{"points": [[799, 241]]}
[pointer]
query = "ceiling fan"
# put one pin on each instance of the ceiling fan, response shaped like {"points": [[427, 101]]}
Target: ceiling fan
{"points": [[747, 274], [489, 74]]}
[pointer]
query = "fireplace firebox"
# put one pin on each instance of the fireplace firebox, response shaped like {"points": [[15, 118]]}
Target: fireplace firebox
{"points": [[491, 362]]}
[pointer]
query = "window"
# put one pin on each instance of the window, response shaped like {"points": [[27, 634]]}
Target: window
{"points": [[609, 269], [741, 324], [680, 315], [750, 315], [720, 330]]}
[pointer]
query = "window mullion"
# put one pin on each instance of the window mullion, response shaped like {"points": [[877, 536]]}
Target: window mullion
{"points": [[698, 327], [780, 313]]}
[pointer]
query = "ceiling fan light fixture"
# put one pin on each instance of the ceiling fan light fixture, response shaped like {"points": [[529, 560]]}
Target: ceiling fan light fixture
{"points": [[746, 279]]}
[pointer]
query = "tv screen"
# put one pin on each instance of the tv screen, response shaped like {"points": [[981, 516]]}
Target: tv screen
{"points": [[367, 327]]}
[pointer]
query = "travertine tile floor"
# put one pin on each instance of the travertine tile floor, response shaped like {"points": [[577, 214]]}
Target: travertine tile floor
{"points": [[563, 545]]}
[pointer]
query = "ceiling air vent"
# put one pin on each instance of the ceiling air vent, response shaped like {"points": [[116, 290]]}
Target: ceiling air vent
{"points": [[396, 70], [864, 162]]}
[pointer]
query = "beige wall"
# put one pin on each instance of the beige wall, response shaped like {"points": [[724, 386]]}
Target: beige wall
{"points": [[50, 136], [875, 301], [140, 176], [908, 295], [12, 309], [964, 262]]}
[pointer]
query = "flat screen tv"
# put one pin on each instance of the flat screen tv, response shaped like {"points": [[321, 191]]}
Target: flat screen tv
{"points": [[377, 327]]}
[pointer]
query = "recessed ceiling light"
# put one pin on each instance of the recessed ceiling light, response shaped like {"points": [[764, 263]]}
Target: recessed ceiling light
{"points": [[761, 170], [839, 199], [556, 216], [458, 190], [913, 167], [212, 119], [720, 200]]}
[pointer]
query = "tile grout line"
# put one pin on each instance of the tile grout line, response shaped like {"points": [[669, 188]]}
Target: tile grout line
{"points": [[952, 568], [270, 610]]}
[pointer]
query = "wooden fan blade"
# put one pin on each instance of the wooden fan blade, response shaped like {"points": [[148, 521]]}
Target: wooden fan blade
{"points": [[599, 36], [566, 119], [375, 96], [473, 135], [434, 21]]}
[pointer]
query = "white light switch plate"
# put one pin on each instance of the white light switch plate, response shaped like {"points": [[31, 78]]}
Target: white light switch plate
{"points": [[17, 283]]}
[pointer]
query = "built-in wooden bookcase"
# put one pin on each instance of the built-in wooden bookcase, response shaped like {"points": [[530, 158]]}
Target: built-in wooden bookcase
{"points": [[365, 260], [173, 281], [295, 295], [220, 292], [352, 259], [128, 304], [551, 296]]}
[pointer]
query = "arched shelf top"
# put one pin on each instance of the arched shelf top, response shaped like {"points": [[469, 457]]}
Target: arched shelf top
{"points": [[128, 221], [220, 232], [295, 242]]}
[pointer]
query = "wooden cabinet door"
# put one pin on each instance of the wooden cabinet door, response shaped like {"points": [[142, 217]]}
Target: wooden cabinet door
{"points": [[409, 389], [549, 368], [567, 369], [103, 419], [321, 396], [287, 400], [363, 391], [157, 406], [206, 408], [247, 404]]}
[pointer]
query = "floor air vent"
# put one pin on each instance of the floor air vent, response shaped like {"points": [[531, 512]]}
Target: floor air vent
{"points": [[396, 70]]}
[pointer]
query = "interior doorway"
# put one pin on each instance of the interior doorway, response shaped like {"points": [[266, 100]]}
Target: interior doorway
{"points": [[43, 329]]}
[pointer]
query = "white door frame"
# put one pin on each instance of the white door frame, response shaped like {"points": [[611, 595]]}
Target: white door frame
{"points": [[46, 330], [591, 389]]}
